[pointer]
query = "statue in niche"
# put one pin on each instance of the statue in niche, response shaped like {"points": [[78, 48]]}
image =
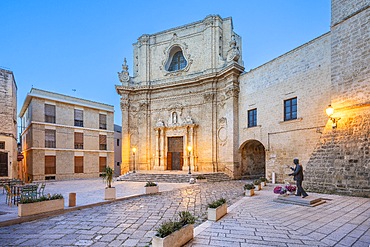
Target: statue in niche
{"points": [[174, 117]]}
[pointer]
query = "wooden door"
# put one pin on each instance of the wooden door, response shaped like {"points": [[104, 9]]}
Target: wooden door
{"points": [[3, 164]]}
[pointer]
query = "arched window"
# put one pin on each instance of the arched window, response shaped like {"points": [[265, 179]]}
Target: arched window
{"points": [[178, 62]]}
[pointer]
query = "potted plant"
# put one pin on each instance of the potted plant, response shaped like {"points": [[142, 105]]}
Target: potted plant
{"points": [[249, 189], [201, 178], [110, 192], [31, 206], [257, 183], [175, 233], [151, 187], [217, 209], [263, 181]]}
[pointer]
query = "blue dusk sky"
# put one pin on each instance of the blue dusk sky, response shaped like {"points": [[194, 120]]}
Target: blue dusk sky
{"points": [[76, 47]]}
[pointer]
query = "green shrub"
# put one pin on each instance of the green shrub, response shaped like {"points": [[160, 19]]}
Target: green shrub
{"points": [[150, 184], [201, 176], [170, 226], [186, 218], [25, 200], [217, 203], [257, 182], [249, 186], [167, 228], [263, 179]]}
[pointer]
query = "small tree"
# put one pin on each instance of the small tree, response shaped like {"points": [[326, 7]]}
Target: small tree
{"points": [[108, 176]]}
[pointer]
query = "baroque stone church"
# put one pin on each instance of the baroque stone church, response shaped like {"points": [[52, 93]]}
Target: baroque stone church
{"points": [[190, 106]]}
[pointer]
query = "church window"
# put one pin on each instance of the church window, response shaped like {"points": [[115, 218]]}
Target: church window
{"points": [[178, 62]]}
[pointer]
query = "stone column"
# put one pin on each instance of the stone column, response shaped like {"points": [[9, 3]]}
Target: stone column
{"points": [[157, 154], [161, 148], [125, 166]]}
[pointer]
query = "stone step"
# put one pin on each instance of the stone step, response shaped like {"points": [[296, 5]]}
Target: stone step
{"points": [[171, 178], [309, 201]]}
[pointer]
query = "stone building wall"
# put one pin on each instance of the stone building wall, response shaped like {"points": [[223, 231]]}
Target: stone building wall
{"points": [[303, 73], [8, 121], [33, 136], [340, 162]]}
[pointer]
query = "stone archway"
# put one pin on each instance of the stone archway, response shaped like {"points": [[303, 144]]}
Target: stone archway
{"points": [[253, 161]]}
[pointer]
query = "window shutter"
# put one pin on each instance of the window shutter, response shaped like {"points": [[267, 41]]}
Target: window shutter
{"points": [[102, 139], [79, 137]]}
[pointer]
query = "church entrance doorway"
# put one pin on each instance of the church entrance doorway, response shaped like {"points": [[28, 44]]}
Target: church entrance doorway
{"points": [[253, 162], [175, 158], [3, 164]]}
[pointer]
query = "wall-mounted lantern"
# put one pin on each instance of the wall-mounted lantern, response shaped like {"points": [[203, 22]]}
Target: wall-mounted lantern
{"points": [[330, 112]]}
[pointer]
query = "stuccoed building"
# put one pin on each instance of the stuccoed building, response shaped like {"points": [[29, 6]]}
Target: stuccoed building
{"points": [[65, 137], [190, 103], [8, 125]]}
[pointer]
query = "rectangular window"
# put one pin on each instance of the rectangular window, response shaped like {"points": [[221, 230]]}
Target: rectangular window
{"points": [[49, 113], [102, 121], [2, 145], [50, 138], [50, 165], [79, 164], [102, 142], [252, 118], [79, 118], [102, 163], [79, 140], [290, 109], [117, 142]]}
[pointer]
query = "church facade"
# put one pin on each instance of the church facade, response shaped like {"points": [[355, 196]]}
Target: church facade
{"points": [[190, 106]]}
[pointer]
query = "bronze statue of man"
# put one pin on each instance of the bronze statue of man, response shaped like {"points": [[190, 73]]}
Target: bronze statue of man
{"points": [[298, 177]]}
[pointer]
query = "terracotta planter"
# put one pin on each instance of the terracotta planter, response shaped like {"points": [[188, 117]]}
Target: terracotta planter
{"points": [[258, 187], [249, 192], [175, 239], [40, 207], [110, 193], [151, 189], [214, 214], [201, 181]]}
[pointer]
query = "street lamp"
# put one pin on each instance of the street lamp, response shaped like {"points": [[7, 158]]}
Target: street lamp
{"points": [[133, 152], [189, 149]]}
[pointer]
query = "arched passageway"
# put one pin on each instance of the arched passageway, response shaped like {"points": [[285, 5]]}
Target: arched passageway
{"points": [[253, 162]]}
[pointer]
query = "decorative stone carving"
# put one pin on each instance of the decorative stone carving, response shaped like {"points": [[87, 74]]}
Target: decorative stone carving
{"points": [[222, 131], [143, 39], [232, 91], [175, 44], [233, 53], [189, 120], [160, 123], [208, 97], [124, 102], [124, 75]]}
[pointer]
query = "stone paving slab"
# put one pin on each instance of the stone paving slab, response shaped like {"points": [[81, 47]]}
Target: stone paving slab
{"points": [[251, 221], [88, 191]]}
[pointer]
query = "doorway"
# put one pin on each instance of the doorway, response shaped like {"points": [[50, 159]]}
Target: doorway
{"points": [[175, 159], [3, 164], [253, 163]]}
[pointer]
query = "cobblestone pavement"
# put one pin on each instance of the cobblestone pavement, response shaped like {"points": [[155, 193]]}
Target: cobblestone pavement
{"points": [[127, 223], [255, 221], [258, 221]]}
